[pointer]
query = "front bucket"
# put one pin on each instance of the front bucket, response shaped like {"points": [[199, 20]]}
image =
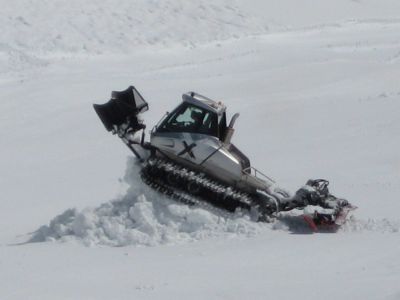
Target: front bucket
{"points": [[123, 108]]}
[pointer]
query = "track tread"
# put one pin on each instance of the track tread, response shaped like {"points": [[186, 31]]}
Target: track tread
{"points": [[217, 193]]}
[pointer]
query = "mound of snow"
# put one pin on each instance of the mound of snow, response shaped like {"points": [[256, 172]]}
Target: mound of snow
{"points": [[143, 217]]}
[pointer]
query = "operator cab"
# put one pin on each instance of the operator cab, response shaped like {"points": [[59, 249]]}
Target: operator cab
{"points": [[196, 134], [196, 114]]}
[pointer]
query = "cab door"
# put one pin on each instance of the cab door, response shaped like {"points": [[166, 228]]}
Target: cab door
{"points": [[188, 133]]}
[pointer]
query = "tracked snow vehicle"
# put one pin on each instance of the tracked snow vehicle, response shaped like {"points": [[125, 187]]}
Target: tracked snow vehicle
{"points": [[191, 158]]}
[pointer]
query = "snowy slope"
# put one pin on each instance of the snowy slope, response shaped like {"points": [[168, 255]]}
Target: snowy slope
{"points": [[34, 31], [316, 84]]}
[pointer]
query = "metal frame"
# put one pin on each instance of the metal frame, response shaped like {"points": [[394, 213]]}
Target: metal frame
{"points": [[248, 170]]}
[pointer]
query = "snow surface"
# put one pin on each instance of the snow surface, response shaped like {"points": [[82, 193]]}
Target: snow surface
{"points": [[316, 83]]}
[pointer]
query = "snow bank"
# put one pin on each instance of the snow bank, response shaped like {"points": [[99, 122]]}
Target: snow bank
{"points": [[143, 217]]}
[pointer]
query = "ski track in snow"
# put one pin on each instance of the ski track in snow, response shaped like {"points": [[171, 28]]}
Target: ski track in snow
{"points": [[143, 217]]}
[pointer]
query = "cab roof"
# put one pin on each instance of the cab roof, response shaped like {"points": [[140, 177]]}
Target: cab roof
{"points": [[206, 103]]}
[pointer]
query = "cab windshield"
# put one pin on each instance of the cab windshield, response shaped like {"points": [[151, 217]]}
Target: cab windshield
{"points": [[190, 118]]}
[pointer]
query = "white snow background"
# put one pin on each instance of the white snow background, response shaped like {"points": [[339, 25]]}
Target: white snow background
{"points": [[317, 86]]}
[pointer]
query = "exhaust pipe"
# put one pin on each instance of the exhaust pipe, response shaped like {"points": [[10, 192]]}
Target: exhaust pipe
{"points": [[230, 130]]}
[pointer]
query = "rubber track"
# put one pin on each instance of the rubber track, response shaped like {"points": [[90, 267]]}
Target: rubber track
{"points": [[215, 191]]}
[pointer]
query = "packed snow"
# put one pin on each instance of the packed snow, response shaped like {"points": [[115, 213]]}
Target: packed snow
{"points": [[316, 84]]}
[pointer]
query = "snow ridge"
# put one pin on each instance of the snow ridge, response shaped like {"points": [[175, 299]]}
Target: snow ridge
{"points": [[143, 217]]}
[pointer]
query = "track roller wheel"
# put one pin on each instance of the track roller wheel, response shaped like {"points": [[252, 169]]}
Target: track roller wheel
{"points": [[193, 188], [172, 179]]}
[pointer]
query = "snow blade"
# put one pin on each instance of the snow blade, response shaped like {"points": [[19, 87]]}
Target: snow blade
{"points": [[123, 107]]}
